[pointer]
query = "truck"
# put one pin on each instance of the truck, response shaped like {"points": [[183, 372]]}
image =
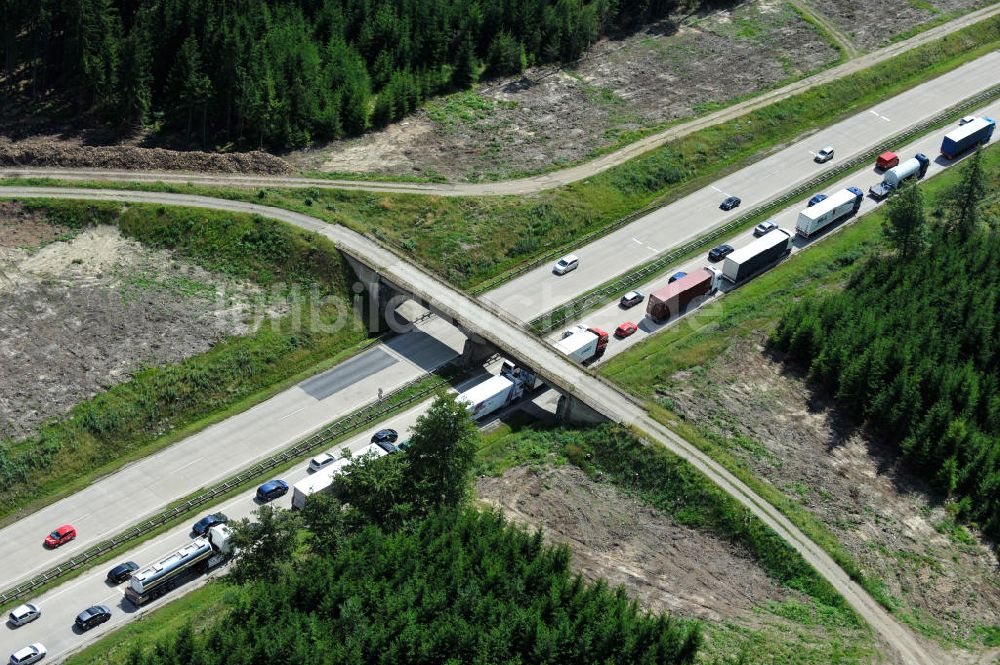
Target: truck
{"points": [[894, 177], [762, 252], [322, 480], [499, 391], [198, 557], [674, 297], [978, 131], [585, 345], [831, 209]]}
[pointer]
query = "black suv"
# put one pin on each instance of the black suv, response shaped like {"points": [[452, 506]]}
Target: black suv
{"points": [[202, 526], [385, 435], [93, 616], [720, 252], [122, 572]]}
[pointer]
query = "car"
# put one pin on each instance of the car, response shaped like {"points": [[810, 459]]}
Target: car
{"points": [[886, 160], [815, 199], [625, 329], [824, 155], [676, 276], [94, 615], [566, 263], [321, 460], [730, 203], [966, 120], [387, 446], [764, 228], [404, 446], [29, 654], [720, 252], [122, 572], [202, 526], [389, 435], [23, 614], [631, 299], [271, 490], [60, 536]]}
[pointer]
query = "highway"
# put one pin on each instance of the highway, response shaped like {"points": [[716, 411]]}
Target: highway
{"points": [[529, 184], [143, 488], [539, 290], [609, 316]]}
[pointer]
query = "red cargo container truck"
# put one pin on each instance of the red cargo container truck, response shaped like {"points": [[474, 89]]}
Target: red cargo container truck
{"points": [[673, 298]]}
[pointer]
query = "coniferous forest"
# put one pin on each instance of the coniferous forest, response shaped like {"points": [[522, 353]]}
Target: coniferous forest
{"points": [[913, 343], [283, 73]]}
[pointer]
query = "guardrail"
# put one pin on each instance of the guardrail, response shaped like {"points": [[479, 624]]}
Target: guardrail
{"points": [[581, 304], [358, 419]]}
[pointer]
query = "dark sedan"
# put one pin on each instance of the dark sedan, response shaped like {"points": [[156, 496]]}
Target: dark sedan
{"points": [[720, 252], [122, 572], [731, 202], [202, 526]]}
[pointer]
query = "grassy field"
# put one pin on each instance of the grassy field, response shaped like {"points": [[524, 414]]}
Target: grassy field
{"points": [[160, 405], [753, 311]]}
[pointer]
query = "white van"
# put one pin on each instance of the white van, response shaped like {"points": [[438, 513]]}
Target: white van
{"points": [[565, 264]]}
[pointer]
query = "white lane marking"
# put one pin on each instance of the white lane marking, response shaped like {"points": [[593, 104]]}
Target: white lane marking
{"points": [[717, 189], [636, 240], [191, 463], [873, 112], [878, 115], [289, 415]]}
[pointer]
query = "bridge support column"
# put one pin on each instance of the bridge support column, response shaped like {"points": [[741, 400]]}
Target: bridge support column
{"points": [[571, 410], [375, 302], [476, 351]]}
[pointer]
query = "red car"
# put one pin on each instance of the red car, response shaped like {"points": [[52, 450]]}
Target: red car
{"points": [[625, 329], [60, 536]]}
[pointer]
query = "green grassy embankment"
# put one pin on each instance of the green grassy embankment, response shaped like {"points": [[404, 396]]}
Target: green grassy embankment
{"points": [[160, 405]]}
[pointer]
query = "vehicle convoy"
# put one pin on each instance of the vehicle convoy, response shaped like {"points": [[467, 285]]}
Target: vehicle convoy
{"points": [[894, 177], [322, 481], [499, 391], [833, 208], [761, 253], [197, 557], [584, 346], [675, 296], [968, 135]]}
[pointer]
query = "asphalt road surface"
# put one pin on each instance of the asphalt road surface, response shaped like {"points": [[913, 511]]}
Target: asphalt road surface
{"points": [[143, 488], [540, 290], [611, 315]]}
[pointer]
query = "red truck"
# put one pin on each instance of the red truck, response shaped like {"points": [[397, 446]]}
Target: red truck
{"points": [[674, 297], [886, 161]]}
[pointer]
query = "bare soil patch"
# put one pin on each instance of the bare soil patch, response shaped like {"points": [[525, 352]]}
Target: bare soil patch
{"points": [[551, 116], [82, 313], [946, 579], [873, 23]]}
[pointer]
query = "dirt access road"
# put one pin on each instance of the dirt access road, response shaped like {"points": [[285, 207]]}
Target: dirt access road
{"points": [[532, 184], [499, 329]]}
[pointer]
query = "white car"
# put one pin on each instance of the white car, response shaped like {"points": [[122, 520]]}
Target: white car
{"points": [[30, 654], [565, 264], [824, 155], [321, 460], [23, 614], [967, 119]]}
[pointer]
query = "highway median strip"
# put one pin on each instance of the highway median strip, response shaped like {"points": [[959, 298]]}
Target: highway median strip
{"points": [[613, 288], [406, 395]]}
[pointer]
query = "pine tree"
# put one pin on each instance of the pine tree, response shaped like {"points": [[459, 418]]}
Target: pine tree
{"points": [[905, 227], [966, 197], [187, 82], [442, 453]]}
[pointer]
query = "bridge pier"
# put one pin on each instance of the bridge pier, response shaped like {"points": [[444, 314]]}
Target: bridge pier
{"points": [[476, 351], [571, 410], [375, 301]]}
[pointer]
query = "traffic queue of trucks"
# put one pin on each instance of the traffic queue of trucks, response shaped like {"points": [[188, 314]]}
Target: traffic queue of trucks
{"points": [[584, 345], [968, 135], [894, 177], [832, 209], [499, 391], [673, 298]]}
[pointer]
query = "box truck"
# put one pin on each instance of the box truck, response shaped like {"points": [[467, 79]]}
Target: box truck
{"points": [[762, 252], [584, 345], [894, 177], [967, 136], [831, 209], [499, 391], [674, 297], [322, 480]]}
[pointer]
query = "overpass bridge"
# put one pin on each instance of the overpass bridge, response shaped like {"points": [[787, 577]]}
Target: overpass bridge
{"points": [[588, 395]]}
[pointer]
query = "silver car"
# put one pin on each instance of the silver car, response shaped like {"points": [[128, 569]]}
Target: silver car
{"points": [[824, 155], [29, 654], [23, 614], [321, 460]]}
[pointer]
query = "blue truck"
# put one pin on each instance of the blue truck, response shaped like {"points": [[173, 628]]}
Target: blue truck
{"points": [[977, 132]]}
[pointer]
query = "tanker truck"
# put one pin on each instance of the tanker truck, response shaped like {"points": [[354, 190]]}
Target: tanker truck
{"points": [[894, 177]]}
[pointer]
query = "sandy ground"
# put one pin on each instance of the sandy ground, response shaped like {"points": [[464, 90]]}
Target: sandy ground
{"points": [[80, 312], [552, 116], [947, 580], [873, 23]]}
